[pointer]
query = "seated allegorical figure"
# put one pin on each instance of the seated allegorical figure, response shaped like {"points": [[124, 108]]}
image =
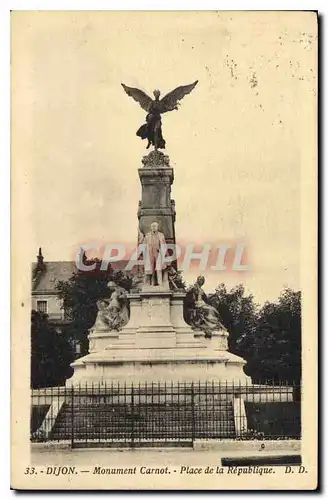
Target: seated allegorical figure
{"points": [[202, 315], [113, 313], [102, 319]]}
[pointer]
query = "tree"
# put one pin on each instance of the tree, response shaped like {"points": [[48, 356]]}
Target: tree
{"points": [[239, 314], [80, 295], [275, 348], [274, 351], [268, 338], [51, 353]]}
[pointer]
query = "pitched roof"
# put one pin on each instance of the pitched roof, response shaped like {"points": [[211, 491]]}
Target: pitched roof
{"points": [[50, 273], [46, 277]]}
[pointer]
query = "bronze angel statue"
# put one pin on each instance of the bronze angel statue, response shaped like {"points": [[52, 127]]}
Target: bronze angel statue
{"points": [[152, 129]]}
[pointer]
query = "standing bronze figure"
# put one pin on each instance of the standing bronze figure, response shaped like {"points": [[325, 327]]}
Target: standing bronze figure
{"points": [[152, 129]]}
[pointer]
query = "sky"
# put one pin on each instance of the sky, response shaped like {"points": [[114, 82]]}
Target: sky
{"points": [[237, 143]]}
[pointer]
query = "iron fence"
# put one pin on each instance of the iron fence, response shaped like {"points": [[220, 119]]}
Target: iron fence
{"points": [[164, 414]]}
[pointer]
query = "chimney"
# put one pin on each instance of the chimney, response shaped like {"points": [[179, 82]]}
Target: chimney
{"points": [[40, 258]]}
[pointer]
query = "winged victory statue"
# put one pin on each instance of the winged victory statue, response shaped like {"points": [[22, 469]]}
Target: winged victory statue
{"points": [[152, 129]]}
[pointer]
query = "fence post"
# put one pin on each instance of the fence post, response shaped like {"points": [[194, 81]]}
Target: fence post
{"points": [[192, 413], [132, 417], [72, 417]]}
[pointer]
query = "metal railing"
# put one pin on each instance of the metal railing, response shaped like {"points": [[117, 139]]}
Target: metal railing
{"points": [[164, 414]]}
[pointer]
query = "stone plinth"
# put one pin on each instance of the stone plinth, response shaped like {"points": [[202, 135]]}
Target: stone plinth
{"points": [[157, 345], [101, 368]]}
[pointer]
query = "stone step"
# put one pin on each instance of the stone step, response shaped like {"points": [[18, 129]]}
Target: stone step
{"points": [[152, 415], [147, 421], [127, 428], [120, 412], [145, 409], [82, 434]]}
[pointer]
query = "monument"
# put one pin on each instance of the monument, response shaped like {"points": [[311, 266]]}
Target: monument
{"points": [[141, 336]]}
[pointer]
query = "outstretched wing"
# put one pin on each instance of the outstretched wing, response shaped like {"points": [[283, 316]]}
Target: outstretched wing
{"points": [[171, 100], [138, 95]]}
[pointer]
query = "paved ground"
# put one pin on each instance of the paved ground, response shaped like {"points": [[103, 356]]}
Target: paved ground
{"points": [[116, 458]]}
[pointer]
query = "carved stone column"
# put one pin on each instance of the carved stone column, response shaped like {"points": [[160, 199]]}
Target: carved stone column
{"points": [[156, 177]]}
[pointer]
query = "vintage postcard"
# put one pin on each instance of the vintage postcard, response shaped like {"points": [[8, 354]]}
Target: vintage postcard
{"points": [[164, 250]]}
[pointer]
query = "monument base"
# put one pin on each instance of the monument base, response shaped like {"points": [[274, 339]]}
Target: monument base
{"points": [[157, 345], [163, 367]]}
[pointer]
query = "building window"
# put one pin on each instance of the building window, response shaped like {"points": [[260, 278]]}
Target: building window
{"points": [[42, 306]]}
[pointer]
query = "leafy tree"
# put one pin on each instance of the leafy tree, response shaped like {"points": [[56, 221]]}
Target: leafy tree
{"points": [[276, 346], [51, 353], [239, 314]]}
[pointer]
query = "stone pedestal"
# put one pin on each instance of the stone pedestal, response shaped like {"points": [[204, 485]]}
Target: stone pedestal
{"points": [[157, 345]]}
